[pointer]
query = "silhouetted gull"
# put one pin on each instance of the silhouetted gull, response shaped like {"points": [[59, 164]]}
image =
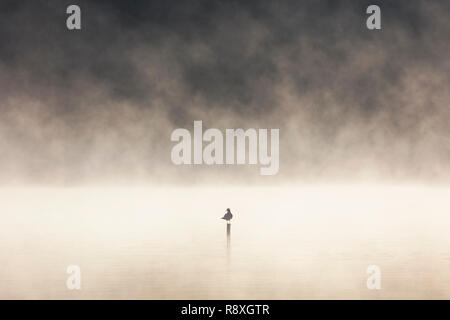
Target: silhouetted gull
{"points": [[228, 216]]}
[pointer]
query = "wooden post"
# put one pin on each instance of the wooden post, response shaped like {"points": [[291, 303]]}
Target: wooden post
{"points": [[228, 241]]}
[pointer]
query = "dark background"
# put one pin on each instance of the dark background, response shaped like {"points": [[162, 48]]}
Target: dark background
{"points": [[98, 105]]}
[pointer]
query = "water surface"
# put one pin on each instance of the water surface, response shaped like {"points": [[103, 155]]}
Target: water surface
{"points": [[304, 242]]}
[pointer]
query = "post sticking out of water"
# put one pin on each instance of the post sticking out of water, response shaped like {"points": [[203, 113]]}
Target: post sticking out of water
{"points": [[228, 241], [227, 217]]}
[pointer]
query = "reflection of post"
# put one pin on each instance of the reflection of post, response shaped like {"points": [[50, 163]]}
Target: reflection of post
{"points": [[228, 242]]}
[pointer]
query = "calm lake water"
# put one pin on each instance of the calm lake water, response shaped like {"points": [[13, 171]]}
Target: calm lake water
{"points": [[169, 243]]}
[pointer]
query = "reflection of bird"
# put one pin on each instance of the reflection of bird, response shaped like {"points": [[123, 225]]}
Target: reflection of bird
{"points": [[228, 216]]}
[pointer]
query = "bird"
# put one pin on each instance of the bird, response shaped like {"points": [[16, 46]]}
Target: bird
{"points": [[228, 216]]}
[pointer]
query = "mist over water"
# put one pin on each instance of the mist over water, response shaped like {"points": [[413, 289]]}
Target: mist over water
{"points": [[86, 176], [99, 105]]}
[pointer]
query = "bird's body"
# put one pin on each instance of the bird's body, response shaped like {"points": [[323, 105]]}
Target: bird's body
{"points": [[228, 216]]}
